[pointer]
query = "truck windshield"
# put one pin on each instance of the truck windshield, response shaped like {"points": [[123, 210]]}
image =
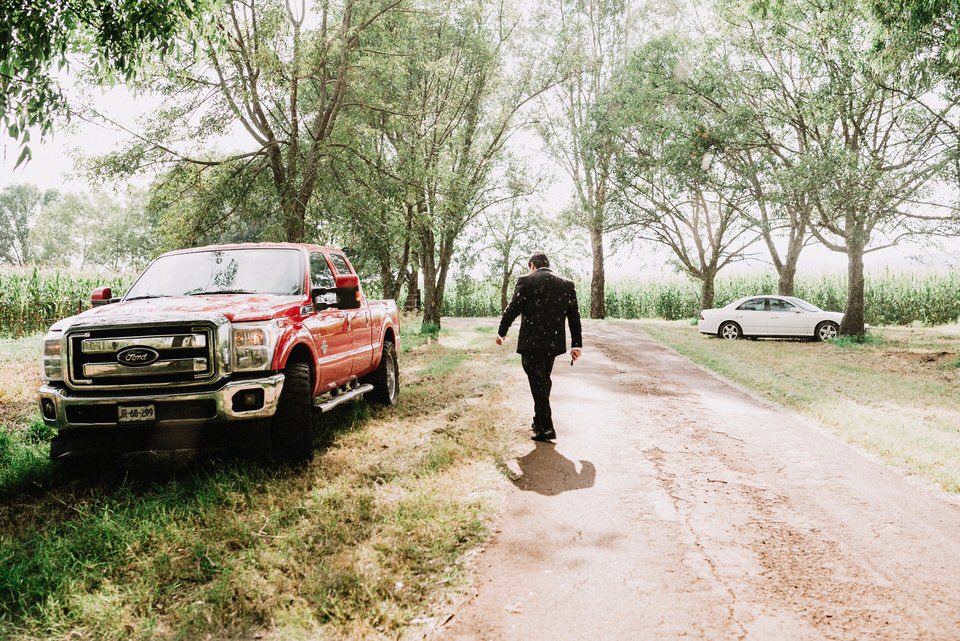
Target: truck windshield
{"points": [[234, 271]]}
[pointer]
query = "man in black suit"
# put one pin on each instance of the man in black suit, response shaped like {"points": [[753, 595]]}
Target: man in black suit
{"points": [[545, 301]]}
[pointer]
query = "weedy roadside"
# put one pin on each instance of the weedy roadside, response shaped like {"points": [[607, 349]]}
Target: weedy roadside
{"points": [[893, 394], [356, 543]]}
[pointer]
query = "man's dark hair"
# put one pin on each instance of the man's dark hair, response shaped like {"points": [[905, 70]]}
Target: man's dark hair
{"points": [[539, 259]]}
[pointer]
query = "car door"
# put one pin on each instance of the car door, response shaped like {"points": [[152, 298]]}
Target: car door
{"points": [[751, 314], [785, 319], [358, 322], [329, 328]]}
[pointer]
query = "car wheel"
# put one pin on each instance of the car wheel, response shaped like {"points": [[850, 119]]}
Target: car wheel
{"points": [[386, 378], [826, 330], [730, 331], [290, 428]]}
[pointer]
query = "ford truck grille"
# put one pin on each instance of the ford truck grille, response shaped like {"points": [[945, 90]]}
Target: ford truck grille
{"points": [[157, 356]]}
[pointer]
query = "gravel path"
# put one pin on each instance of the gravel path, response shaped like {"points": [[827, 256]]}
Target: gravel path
{"points": [[675, 506]]}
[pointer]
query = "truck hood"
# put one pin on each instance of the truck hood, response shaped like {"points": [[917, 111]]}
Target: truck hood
{"points": [[233, 307]]}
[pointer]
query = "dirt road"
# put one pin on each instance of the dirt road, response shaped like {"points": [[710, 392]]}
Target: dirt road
{"points": [[675, 506]]}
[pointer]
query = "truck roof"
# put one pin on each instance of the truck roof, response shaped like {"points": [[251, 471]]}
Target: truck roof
{"points": [[227, 246]]}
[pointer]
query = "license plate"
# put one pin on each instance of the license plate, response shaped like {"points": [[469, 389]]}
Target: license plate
{"points": [[136, 413]]}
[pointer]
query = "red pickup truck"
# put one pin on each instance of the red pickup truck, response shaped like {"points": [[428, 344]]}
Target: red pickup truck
{"points": [[214, 344]]}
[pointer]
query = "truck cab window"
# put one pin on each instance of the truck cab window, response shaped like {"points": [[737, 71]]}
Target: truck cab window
{"points": [[320, 274], [340, 264]]}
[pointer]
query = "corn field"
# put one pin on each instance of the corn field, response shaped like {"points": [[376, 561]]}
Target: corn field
{"points": [[31, 300], [891, 298]]}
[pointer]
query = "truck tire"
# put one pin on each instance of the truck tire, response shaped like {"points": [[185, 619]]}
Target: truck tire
{"points": [[386, 378], [290, 428]]}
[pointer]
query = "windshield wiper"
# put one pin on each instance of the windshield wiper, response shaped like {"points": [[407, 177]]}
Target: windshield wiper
{"points": [[222, 291], [146, 296]]}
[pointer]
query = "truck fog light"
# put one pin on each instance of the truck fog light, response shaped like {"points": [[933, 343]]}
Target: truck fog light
{"points": [[48, 409], [247, 400]]}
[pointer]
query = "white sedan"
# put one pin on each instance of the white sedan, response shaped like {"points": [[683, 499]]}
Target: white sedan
{"points": [[771, 316]]}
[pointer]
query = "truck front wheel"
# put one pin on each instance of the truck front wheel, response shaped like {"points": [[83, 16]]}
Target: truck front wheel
{"points": [[291, 426], [386, 378]]}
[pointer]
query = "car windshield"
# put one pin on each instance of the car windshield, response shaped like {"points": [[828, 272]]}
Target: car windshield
{"points": [[804, 305], [233, 271]]}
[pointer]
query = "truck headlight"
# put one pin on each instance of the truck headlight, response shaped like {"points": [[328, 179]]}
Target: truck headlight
{"points": [[52, 357], [253, 345]]}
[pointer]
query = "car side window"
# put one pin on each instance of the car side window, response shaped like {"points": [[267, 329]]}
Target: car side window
{"points": [[340, 264], [320, 274], [778, 305], [752, 305]]}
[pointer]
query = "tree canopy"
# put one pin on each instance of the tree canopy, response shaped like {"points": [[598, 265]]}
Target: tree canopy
{"points": [[113, 37]]}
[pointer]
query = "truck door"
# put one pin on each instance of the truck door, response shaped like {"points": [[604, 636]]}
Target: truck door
{"points": [[329, 328], [359, 322]]}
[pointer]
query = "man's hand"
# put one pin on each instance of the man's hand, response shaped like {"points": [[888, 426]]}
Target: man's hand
{"points": [[499, 340], [575, 353]]}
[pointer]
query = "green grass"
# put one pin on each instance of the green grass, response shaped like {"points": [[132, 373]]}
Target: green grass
{"points": [[24, 455], [416, 335], [20, 349], [356, 543], [430, 329], [444, 363], [893, 393], [858, 340]]}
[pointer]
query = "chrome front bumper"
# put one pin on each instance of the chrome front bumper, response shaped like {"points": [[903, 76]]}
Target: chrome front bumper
{"points": [[222, 398]]}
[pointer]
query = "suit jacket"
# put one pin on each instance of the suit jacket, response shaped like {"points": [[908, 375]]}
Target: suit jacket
{"points": [[545, 301]]}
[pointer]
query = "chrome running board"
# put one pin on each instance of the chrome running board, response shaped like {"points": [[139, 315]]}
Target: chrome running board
{"points": [[329, 404]]}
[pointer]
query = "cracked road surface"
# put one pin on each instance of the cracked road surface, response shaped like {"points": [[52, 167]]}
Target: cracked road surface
{"points": [[675, 506]]}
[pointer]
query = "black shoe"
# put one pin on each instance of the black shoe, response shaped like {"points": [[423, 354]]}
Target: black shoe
{"points": [[544, 437]]}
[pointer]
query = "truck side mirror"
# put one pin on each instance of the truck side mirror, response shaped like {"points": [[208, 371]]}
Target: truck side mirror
{"points": [[348, 291], [101, 296], [323, 298], [345, 295]]}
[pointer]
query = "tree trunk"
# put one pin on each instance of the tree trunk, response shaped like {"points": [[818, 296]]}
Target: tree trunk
{"points": [[853, 321], [708, 290], [386, 279], [504, 289], [409, 259], [413, 303], [788, 273], [295, 213], [432, 298], [431, 307], [597, 294], [788, 269]]}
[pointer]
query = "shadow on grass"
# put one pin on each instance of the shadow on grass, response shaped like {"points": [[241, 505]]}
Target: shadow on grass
{"points": [[26, 469], [72, 529]]}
